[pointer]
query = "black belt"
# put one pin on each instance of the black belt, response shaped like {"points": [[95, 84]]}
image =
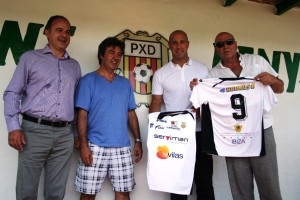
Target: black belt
{"points": [[46, 122]]}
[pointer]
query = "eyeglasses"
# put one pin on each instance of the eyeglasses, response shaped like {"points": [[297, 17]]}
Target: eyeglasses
{"points": [[221, 44]]}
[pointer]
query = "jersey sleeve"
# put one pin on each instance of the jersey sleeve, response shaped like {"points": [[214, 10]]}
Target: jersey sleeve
{"points": [[269, 99], [197, 96]]}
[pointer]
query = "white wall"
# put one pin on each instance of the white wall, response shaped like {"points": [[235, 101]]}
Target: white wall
{"points": [[254, 25]]}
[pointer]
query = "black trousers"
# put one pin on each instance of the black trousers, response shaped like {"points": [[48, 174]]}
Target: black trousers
{"points": [[202, 175]]}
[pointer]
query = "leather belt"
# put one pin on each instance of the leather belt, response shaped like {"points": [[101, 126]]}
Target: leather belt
{"points": [[46, 122]]}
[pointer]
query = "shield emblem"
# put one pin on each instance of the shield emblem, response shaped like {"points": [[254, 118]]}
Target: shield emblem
{"points": [[143, 55]]}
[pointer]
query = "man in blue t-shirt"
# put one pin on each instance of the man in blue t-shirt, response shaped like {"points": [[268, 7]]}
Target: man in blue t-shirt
{"points": [[106, 106]]}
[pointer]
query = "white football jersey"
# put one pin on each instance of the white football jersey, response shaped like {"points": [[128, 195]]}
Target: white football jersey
{"points": [[171, 144], [236, 108]]}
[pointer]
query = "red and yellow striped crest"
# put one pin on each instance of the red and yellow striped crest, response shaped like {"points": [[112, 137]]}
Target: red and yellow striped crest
{"points": [[140, 48], [143, 55]]}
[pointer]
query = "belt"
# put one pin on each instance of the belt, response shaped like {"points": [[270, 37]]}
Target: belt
{"points": [[46, 122]]}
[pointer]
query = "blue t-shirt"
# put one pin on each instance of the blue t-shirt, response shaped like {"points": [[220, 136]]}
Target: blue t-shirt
{"points": [[107, 104]]}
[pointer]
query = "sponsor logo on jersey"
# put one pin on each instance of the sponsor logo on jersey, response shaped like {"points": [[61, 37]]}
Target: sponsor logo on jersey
{"points": [[183, 124], [238, 141], [173, 126], [238, 128], [248, 86], [164, 153], [161, 120], [171, 138], [159, 127]]}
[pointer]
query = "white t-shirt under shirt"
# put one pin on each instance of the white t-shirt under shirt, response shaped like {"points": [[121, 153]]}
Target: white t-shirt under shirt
{"points": [[236, 109], [172, 81]]}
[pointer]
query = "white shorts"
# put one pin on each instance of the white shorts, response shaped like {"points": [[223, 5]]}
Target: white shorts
{"points": [[116, 161]]}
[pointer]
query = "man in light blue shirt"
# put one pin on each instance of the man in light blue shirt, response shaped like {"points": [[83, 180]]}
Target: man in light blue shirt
{"points": [[106, 106]]}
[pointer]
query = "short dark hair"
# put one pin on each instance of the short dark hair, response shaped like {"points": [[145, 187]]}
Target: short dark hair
{"points": [[51, 19], [108, 42]]}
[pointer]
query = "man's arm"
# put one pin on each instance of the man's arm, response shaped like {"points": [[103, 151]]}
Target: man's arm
{"points": [[12, 96], [75, 131], [155, 103], [135, 130], [276, 83], [85, 152]]}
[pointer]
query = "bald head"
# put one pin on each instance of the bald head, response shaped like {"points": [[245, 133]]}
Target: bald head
{"points": [[223, 34], [177, 32]]}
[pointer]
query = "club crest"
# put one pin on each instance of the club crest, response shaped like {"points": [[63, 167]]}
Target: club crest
{"points": [[143, 55]]}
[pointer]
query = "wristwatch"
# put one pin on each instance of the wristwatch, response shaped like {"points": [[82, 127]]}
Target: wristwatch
{"points": [[138, 140]]}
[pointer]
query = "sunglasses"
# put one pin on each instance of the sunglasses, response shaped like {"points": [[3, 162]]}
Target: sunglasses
{"points": [[221, 44]]}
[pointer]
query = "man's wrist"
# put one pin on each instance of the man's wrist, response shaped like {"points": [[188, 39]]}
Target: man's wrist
{"points": [[138, 140]]}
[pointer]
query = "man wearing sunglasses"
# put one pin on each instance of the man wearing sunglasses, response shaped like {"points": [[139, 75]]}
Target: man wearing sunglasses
{"points": [[241, 170], [170, 86]]}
